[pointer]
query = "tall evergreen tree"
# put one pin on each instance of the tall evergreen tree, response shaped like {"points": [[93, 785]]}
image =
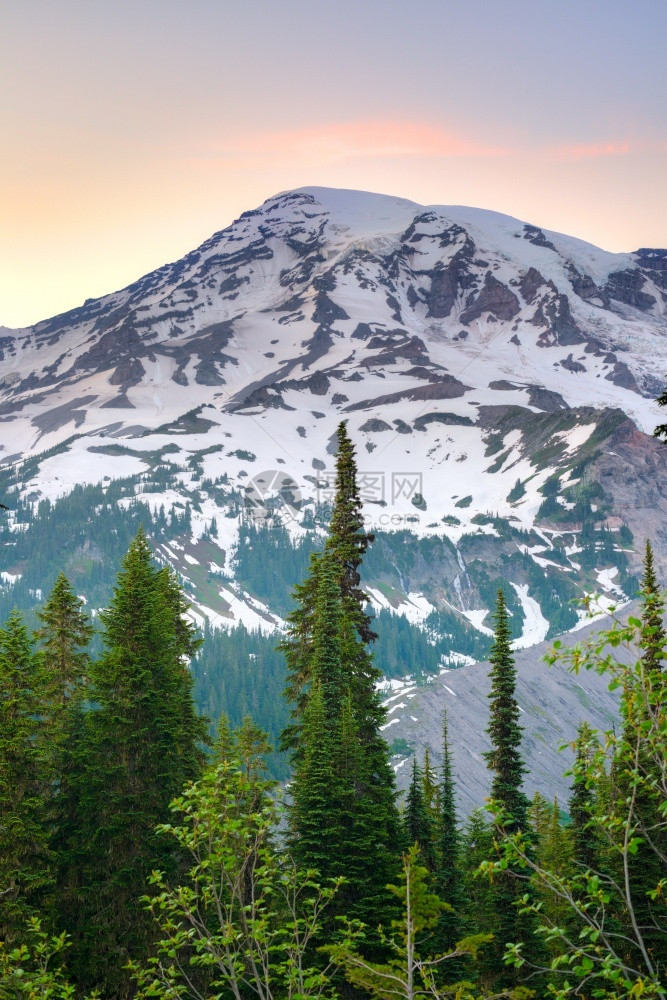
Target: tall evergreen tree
{"points": [[654, 638], [316, 807], [449, 879], [135, 750], [24, 856], [431, 788], [584, 836], [553, 852], [224, 745], [346, 544], [348, 540], [511, 804], [417, 821], [343, 816], [326, 651], [504, 760], [65, 633]]}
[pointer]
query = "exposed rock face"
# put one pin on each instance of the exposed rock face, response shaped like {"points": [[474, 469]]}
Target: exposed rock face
{"points": [[494, 298], [627, 287]]}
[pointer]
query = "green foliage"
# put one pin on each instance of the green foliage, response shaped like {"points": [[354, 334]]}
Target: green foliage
{"points": [[661, 429], [517, 492], [449, 877], [418, 821], [33, 970], [65, 633], [241, 673], [504, 759], [24, 856], [611, 941], [508, 802], [243, 920], [343, 818], [129, 756], [409, 972]]}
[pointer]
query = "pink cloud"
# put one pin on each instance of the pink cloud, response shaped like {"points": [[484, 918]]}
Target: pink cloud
{"points": [[572, 153], [359, 140], [320, 145]]}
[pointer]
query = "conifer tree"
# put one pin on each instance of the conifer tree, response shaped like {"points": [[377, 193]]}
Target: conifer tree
{"points": [[343, 816], [430, 788], [136, 749], [326, 653], [511, 808], [654, 638], [449, 880], [224, 745], [410, 972], [417, 821], [348, 539], [64, 633], [315, 816], [552, 853], [504, 759], [24, 856], [346, 544], [252, 745], [297, 649], [477, 843], [586, 846]]}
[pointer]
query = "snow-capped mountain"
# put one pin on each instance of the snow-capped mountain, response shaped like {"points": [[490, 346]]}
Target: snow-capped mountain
{"points": [[498, 379]]}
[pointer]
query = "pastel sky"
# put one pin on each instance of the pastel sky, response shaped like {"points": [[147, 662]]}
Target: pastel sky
{"points": [[133, 129]]}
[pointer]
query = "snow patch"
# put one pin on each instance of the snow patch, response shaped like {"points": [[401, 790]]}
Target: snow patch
{"points": [[535, 625]]}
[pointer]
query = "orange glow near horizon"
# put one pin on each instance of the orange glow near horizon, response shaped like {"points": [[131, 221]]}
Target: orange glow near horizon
{"points": [[128, 138], [79, 231]]}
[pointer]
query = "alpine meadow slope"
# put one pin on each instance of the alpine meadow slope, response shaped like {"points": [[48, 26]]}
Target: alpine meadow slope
{"points": [[498, 381]]}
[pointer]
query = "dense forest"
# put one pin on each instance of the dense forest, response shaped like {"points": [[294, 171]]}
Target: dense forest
{"points": [[141, 856]]}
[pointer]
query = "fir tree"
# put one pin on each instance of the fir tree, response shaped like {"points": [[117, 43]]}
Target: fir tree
{"points": [[343, 816], [430, 788], [348, 539], [654, 639], [477, 843], [345, 546], [24, 856], [65, 633], [136, 749], [417, 821], [552, 853], [297, 649], [586, 846], [315, 815], [449, 880], [326, 652], [252, 746], [511, 809], [504, 759], [410, 971], [224, 746]]}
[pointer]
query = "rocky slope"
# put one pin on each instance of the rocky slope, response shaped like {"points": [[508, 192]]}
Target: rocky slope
{"points": [[552, 702]]}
